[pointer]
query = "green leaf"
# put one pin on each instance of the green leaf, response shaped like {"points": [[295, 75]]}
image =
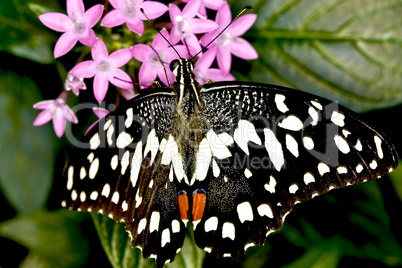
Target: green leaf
{"points": [[342, 50], [26, 152], [23, 35], [53, 238], [118, 249], [396, 179]]}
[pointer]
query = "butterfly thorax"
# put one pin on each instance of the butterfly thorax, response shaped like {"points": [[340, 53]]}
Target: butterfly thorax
{"points": [[190, 124]]}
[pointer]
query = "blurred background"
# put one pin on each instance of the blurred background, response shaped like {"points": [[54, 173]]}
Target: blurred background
{"points": [[346, 51]]}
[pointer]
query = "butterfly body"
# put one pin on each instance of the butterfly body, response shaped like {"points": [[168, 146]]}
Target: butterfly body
{"points": [[232, 157]]}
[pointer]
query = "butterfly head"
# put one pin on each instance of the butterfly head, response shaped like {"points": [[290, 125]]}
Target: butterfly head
{"points": [[182, 68]]}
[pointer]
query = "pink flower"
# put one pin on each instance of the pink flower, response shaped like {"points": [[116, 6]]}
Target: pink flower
{"points": [[229, 41], [152, 58], [75, 27], [57, 110], [100, 113], [211, 4], [203, 72], [105, 69], [128, 11], [185, 26], [74, 83]]}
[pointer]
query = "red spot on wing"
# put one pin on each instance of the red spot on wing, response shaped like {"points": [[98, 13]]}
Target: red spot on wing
{"points": [[199, 200], [183, 205]]}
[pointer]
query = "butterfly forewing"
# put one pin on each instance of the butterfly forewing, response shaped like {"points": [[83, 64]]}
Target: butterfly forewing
{"points": [[119, 172], [281, 147]]}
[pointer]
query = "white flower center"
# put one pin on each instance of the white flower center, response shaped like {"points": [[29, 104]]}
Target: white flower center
{"points": [[181, 24], [103, 67], [130, 9], [225, 39], [78, 27]]}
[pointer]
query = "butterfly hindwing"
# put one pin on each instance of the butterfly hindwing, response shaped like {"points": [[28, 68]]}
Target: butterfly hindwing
{"points": [[118, 171], [281, 147]]}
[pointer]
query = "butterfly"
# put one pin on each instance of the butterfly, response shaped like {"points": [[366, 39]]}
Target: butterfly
{"points": [[232, 157]]}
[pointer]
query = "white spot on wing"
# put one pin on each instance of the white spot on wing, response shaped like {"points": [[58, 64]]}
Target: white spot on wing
{"points": [[94, 142], [244, 133], [123, 140], [165, 237], [342, 144], [203, 160], [373, 164], [338, 118], [125, 160], [130, 117], [211, 224], [378, 142], [316, 104], [109, 135], [323, 168], [124, 206], [245, 212], [70, 176], [136, 164], [270, 187], [215, 169], [218, 148], [342, 170], [94, 195], [141, 225], [280, 103], [308, 178], [74, 195], [106, 190], [274, 149], [247, 173], [175, 226], [308, 143], [83, 196], [293, 188], [226, 138], [83, 173], [93, 169], [292, 145], [291, 122], [114, 162], [359, 145], [115, 197], [154, 224], [265, 210], [359, 168], [314, 115], [228, 230]]}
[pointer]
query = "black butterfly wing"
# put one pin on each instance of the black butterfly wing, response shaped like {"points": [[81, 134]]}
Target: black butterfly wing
{"points": [[120, 170], [272, 147]]}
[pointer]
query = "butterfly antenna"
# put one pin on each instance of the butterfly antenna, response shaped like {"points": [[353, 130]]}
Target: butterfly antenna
{"points": [[153, 25], [216, 37]]}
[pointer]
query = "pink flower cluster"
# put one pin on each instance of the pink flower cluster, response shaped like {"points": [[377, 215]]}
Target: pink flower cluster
{"points": [[186, 26]]}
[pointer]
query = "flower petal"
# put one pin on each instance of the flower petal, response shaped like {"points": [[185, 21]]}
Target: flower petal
{"points": [[214, 4], [75, 9], [99, 51], [153, 9], [92, 15], [42, 118], [117, 3], [56, 21], [224, 15], [192, 43], [91, 127], [207, 59], [121, 79], [163, 78], [224, 59], [59, 123], [43, 104], [141, 52], [84, 69], [147, 74], [135, 25], [69, 114], [190, 10], [128, 94], [174, 11], [65, 43], [159, 43], [242, 24], [90, 39], [203, 26], [101, 85], [113, 18], [100, 112], [120, 57], [217, 75], [242, 49]]}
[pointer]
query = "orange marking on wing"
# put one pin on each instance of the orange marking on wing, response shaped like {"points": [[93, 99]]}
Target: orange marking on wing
{"points": [[199, 200], [183, 206]]}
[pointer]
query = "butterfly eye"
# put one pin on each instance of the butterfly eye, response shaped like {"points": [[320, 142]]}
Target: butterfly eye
{"points": [[174, 64]]}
